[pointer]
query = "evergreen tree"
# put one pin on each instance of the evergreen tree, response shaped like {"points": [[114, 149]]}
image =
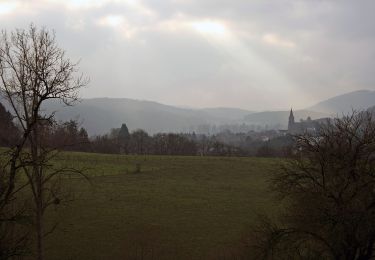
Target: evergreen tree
{"points": [[123, 135], [123, 138]]}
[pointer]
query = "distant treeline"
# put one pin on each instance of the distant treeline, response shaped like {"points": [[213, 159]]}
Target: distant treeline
{"points": [[69, 136]]}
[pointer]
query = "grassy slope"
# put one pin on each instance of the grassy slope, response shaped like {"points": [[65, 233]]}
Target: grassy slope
{"points": [[176, 208]]}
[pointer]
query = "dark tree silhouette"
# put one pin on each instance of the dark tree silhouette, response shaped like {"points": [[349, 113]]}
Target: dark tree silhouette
{"points": [[329, 189], [34, 69], [8, 131], [123, 138], [139, 142]]}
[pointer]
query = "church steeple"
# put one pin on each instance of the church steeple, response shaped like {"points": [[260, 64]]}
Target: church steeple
{"points": [[291, 121]]}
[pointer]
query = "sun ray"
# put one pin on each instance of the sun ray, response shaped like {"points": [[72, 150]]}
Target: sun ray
{"points": [[209, 28]]}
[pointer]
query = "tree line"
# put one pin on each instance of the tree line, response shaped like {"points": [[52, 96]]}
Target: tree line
{"points": [[140, 142], [326, 185], [70, 136]]}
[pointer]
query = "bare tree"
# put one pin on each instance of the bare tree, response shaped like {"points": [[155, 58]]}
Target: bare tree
{"points": [[328, 188], [13, 236], [33, 70]]}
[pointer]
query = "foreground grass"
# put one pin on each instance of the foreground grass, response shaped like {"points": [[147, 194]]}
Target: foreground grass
{"points": [[175, 208]]}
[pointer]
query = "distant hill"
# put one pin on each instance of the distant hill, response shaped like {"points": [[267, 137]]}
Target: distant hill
{"points": [[280, 118], [225, 113], [99, 115], [357, 100]]}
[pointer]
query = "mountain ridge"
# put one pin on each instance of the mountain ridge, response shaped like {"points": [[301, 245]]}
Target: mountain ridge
{"points": [[99, 115], [345, 103]]}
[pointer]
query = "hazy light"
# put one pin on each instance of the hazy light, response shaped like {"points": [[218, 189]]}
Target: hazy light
{"points": [[7, 7], [209, 27], [111, 20], [276, 40], [76, 4], [90, 4]]}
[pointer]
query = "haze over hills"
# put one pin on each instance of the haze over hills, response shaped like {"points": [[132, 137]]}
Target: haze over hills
{"points": [[99, 115], [279, 119], [357, 100], [342, 104], [226, 113]]}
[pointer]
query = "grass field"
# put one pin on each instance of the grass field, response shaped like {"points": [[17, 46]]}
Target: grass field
{"points": [[175, 208]]}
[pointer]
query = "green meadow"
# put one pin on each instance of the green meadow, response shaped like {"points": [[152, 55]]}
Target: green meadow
{"points": [[158, 207]]}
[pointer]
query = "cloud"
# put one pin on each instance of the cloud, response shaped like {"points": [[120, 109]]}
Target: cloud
{"points": [[209, 27], [80, 4], [274, 39], [8, 7], [112, 20], [253, 54]]}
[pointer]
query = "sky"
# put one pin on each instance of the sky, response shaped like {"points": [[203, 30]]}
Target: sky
{"points": [[251, 54]]}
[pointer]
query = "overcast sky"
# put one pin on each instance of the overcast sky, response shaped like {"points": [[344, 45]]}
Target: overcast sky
{"points": [[258, 55]]}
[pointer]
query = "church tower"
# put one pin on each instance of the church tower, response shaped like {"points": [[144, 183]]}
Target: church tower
{"points": [[291, 121]]}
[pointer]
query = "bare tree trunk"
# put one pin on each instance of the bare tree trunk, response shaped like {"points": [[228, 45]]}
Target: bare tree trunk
{"points": [[39, 231], [34, 69], [39, 215], [38, 196]]}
